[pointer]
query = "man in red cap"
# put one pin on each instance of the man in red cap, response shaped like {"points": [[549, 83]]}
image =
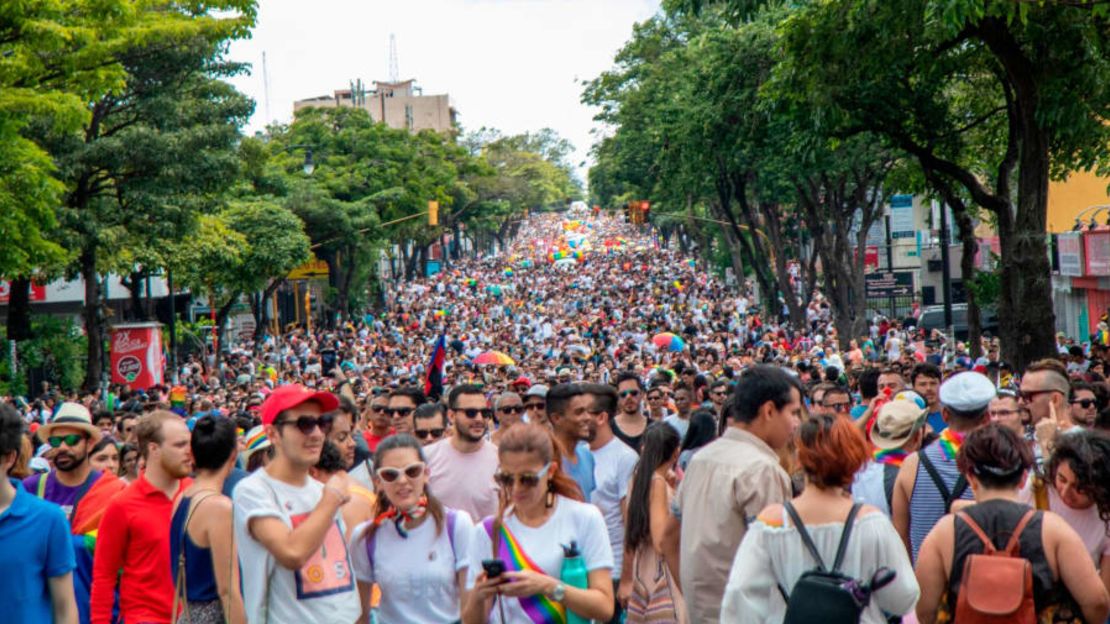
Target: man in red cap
{"points": [[287, 525]]}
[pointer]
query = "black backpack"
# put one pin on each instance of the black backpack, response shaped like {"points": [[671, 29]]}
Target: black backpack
{"points": [[828, 596]]}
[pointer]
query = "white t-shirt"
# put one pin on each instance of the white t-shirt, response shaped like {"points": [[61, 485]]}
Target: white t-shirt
{"points": [[417, 574], [571, 521], [681, 425], [464, 480], [613, 467], [321, 591]]}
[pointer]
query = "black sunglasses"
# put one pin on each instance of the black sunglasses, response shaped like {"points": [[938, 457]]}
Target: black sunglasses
{"points": [[398, 411], [536, 405], [306, 424], [474, 413], [424, 433], [1084, 403], [72, 439], [511, 409]]}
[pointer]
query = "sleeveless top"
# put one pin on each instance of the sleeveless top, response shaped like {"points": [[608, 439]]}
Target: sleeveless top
{"points": [[926, 501], [200, 578], [998, 518]]}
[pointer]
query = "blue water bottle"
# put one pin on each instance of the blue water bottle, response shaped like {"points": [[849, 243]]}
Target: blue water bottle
{"points": [[573, 574]]}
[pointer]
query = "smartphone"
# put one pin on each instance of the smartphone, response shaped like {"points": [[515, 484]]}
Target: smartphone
{"points": [[493, 567]]}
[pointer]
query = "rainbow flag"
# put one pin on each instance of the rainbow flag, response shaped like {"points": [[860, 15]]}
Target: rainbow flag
{"points": [[540, 609]]}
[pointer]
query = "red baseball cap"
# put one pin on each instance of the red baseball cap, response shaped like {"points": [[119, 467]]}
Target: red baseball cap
{"points": [[522, 381], [292, 395]]}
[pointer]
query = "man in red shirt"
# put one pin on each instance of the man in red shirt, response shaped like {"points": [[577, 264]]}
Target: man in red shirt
{"points": [[134, 534]]}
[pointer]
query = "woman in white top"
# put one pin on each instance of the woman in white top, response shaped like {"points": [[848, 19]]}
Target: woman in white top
{"points": [[771, 558], [415, 549], [540, 512]]}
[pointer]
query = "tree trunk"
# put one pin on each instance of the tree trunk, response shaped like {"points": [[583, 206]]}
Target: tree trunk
{"points": [[19, 309], [134, 285], [94, 326], [221, 326]]}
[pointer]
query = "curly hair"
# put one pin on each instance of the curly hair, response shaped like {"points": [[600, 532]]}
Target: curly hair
{"points": [[1087, 453]]}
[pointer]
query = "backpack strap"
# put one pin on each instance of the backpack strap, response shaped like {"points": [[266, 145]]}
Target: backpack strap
{"points": [[807, 541], [842, 548], [1013, 546], [988, 545], [890, 477], [948, 495]]}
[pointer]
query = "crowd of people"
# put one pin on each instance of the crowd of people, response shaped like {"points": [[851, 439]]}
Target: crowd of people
{"points": [[587, 426]]}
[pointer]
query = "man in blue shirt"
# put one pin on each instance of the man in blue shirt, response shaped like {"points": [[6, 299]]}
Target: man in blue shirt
{"points": [[35, 550], [568, 411]]}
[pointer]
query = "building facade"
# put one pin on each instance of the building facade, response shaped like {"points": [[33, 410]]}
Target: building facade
{"points": [[400, 105]]}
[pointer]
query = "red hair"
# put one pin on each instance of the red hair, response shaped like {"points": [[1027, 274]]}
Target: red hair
{"points": [[831, 450]]}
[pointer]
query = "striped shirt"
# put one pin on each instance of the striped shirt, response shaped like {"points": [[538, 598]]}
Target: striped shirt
{"points": [[926, 501]]}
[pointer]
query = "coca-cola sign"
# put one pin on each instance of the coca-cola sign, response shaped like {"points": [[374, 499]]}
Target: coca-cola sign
{"points": [[137, 355], [129, 367]]}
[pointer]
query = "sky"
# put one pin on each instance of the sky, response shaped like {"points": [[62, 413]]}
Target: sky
{"points": [[515, 65]]}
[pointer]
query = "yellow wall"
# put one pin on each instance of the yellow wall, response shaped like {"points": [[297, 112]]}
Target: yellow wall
{"points": [[1068, 198]]}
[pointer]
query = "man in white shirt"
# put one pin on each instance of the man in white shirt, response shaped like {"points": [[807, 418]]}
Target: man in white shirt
{"points": [[614, 463], [287, 525], [462, 465]]}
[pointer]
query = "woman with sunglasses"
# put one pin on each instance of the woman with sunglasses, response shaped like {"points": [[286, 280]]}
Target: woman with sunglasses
{"points": [[540, 512], [414, 549]]}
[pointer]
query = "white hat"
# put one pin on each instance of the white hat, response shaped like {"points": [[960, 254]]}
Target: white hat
{"points": [[968, 392], [72, 415]]}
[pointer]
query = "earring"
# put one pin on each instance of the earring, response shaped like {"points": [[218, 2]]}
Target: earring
{"points": [[549, 501]]}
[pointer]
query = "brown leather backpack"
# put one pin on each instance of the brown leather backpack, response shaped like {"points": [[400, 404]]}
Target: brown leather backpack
{"points": [[997, 586]]}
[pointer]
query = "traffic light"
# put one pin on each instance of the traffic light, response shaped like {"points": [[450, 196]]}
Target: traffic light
{"points": [[433, 213]]}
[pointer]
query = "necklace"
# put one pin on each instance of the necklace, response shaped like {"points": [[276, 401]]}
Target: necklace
{"points": [[950, 443]]}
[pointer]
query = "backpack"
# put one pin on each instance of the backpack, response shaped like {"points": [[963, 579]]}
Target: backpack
{"points": [[997, 586], [824, 595]]}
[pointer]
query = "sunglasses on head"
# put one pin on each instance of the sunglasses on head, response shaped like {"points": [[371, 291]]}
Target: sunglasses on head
{"points": [[307, 424], [475, 413], [412, 471], [398, 411], [424, 433], [72, 439], [526, 479], [511, 409], [629, 393]]}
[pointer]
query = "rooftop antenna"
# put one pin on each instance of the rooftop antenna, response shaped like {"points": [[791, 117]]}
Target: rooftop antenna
{"points": [[394, 74], [266, 87]]}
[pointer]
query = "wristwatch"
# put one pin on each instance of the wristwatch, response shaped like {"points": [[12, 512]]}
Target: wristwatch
{"points": [[558, 593]]}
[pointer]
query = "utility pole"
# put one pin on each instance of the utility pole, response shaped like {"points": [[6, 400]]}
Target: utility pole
{"points": [[889, 260], [946, 276]]}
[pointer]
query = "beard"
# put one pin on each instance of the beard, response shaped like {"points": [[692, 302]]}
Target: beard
{"points": [[464, 433], [176, 470], [68, 462]]}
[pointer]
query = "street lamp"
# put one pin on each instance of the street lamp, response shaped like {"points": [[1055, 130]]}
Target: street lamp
{"points": [[309, 165]]}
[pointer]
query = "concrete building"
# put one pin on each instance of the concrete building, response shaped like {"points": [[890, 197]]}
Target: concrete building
{"points": [[400, 105]]}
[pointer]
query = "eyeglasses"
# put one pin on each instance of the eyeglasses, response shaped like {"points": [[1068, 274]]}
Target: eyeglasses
{"points": [[424, 433], [398, 411], [1029, 395], [412, 471], [1084, 403], [839, 408], [377, 391], [72, 439], [526, 479], [475, 413], [536, 406], [719, 392], [377, 408], [307, 424], [630, 393], [655, 398], [511, 409]]}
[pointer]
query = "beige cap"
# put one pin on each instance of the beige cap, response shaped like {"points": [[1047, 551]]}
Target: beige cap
{"points": [[896, 423]]}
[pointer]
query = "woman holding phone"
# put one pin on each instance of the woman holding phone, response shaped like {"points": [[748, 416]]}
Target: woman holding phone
{"points": [[540, 512], [415, 549]]}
